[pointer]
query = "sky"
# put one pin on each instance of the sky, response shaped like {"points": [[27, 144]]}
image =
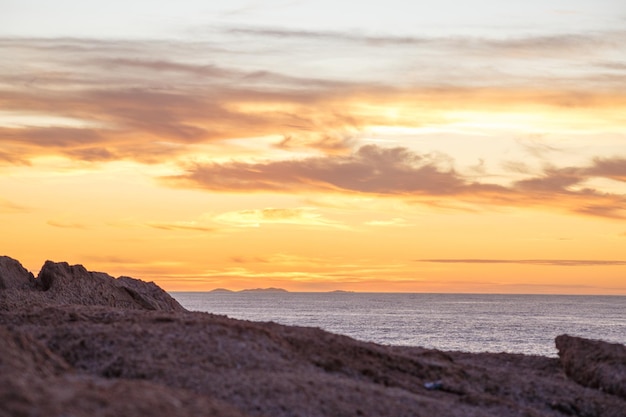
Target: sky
{"points": [[452, 146]]}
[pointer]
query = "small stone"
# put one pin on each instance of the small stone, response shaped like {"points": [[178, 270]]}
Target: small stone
{"points": [[433, 385]]}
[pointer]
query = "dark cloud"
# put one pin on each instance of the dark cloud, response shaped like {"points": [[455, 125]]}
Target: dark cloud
{"points": [[565, 187], [51, 137], [401, 172], [549, 262], [552, 181], [370, 169], [613, 168]]}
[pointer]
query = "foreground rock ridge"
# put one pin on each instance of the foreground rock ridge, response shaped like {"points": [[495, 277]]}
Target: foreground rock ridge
{"points": [[63, 284], [79, 343]]}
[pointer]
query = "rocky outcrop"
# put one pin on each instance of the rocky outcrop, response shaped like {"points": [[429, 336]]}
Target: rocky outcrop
{"points": [[75, 285], [148, 294], [593, 363], [14, 276], [96, 354], [61, 283]]}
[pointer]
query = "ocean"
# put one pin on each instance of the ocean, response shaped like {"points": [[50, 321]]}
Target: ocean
{"points": [[465, 322]]}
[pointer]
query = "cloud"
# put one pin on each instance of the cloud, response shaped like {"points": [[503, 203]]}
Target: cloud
{"points": [[248, 260], [153, 101], [53, 137], [613, 168], [565, 186], [111, 259], [401, 172], [7, 206], [329, 143], [530, 45], [552, 181], [125, 104], [259, 217], [370, 169], [161, 65], [13, 158], [184, 226], [396, 221], [548, 262], [63, 224], [535, 147], [159, 102]]}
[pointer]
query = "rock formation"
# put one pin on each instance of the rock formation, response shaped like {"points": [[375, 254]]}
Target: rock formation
{"points": [[14, 276], [594, 364], [84, 345], [61, 283]]}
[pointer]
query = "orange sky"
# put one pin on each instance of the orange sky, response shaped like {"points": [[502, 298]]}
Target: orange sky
{"points": [[253, 150]]}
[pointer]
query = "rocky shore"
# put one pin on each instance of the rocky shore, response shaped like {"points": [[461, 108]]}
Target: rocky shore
{"points": [[79, 343]]}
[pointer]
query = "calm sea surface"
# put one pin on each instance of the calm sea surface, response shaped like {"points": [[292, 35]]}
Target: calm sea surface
{"points": [[468, 322]]}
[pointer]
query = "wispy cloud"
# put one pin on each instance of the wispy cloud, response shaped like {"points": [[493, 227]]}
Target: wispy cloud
{"points": [[12, 158], [184, 226], [64, 224], [396, 221], [259, 217], [531, 45], [8, 206], [548, 262]]}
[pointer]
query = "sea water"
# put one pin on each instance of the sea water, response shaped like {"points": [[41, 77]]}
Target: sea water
{"points": [[466, 322]]}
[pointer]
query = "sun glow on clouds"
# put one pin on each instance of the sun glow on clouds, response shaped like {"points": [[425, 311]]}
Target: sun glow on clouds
{"points": [[276, 155], [257, 218]]}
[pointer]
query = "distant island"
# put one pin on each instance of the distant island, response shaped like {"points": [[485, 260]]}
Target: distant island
{"points": [[221, 290], [262, 290], [268, 290], [271, 289]]}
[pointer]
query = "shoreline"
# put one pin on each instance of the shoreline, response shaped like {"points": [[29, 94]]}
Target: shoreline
{"points": [[84, 343], [457, 322]]}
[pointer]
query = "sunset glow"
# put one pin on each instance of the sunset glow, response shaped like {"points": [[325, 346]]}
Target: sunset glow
{"points": [[471, 148]]}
